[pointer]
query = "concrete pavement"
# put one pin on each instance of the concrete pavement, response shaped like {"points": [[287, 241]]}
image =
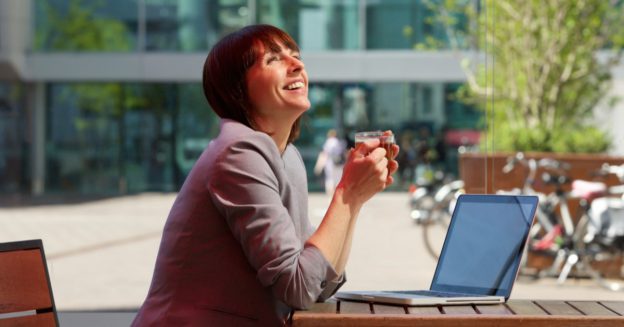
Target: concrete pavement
{"points": [[101, 253]]}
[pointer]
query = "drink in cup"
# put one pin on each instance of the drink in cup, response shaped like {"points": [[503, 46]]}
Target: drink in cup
{"points": [[385, 140]]}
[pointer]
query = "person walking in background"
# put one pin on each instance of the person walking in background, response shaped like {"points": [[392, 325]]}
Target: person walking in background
{"points": [[331, 160], [407, 159], [238, 248]]}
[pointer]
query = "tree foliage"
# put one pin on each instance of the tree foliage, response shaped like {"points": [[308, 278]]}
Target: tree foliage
{"points": [[78, 28], [547, 67]]}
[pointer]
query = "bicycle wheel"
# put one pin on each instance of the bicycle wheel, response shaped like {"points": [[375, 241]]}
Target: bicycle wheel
{"points": [[434, 231]]}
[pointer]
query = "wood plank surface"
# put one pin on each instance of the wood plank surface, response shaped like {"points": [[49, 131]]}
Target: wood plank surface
{"points": [[498, 309], [326, 307], [592, 308], [558, 308], [525, 308], [28, 286], [380, 309], [355, 320], [354, 307], [423, 311], [458, 310], [542, 313], [617, 307]]}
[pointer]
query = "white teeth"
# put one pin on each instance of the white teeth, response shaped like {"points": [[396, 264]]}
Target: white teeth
{"points": [[295, 85]]}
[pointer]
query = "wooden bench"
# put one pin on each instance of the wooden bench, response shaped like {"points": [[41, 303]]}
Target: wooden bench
{"points": [[525, 313], [25, 292]]}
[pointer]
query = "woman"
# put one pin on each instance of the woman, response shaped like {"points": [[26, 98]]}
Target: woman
{"points": [[238, 248]]}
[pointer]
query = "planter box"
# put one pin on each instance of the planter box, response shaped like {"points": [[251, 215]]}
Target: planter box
{"points": [[483, 173]]}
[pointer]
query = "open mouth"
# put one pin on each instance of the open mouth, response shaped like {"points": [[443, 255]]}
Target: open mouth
{"points": [[294, 86]]}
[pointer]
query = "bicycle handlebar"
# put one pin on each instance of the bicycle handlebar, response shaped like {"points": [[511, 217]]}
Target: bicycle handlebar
{"points": [[533, 164], [617, 170]]}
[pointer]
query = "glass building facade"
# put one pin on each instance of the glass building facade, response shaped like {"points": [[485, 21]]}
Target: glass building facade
{"points": [[103, 135]]}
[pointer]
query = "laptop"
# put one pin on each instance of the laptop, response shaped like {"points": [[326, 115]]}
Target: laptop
{"points": [[480, 257]]}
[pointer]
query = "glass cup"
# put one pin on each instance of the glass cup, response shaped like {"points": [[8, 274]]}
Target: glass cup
{"points": [[386, 141]]}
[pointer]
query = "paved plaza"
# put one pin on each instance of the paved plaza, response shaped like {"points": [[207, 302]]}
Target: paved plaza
{"points": [[101, 253]]}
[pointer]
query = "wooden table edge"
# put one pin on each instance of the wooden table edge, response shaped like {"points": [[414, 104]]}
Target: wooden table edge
{"points": [[485, 320]]}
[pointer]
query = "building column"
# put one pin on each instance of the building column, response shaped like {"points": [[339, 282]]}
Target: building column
{"points": [[15, 37], [437, 104], [37, 107]]}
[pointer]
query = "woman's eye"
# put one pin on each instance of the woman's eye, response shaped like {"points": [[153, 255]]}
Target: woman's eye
{"points": [[272, 59]]}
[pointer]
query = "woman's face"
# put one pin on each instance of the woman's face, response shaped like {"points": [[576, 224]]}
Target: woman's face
{"points": [[277, 84]]}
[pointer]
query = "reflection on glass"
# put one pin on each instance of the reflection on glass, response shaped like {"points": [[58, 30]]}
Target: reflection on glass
{"points": [[196, 125], [118, 138], [85, 25], [192, 25], [403, 24], [314, 24], [83, 138], [13, 152]]}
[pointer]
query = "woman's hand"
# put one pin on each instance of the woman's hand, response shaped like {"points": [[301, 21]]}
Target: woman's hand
{"points": [[367, 171]]}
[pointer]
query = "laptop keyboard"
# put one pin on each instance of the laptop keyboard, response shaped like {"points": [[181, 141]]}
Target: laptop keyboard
{"points": [[437, 293]]}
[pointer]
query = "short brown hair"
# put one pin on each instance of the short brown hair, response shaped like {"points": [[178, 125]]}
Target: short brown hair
{"points": [[225, 70]]}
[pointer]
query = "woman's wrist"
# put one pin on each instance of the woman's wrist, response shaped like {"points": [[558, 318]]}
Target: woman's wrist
{"points": [[348, 198]]}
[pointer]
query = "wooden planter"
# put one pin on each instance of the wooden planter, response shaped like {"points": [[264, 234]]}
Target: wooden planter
{"points": [[483, 173]]}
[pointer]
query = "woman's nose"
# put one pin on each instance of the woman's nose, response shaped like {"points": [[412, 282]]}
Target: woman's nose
{"points": [[295, 64]]}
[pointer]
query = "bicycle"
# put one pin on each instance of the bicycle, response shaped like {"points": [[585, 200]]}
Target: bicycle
{"points": [[555, 234], [600, 228], [548, 225], [431, 207]]}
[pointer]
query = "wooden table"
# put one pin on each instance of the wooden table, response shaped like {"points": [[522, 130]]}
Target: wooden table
{"points": [[525, 313]]}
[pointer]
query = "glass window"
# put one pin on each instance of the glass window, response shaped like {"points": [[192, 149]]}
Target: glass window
{"points": [[124, 138], [148, 138], [83, 138], [404, 24], [85, 25], [196, 125], [192, 25], [13, 138], [314, 24]]}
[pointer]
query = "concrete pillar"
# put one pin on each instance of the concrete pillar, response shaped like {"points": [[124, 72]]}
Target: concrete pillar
{"points": [[15, 37], [437, 103], [37, 106]]}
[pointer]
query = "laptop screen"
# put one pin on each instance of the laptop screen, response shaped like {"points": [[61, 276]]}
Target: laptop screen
{"points": [[484, 244]]}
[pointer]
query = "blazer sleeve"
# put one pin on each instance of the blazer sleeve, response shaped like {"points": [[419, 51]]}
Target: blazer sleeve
{"points": [[244, 187]]}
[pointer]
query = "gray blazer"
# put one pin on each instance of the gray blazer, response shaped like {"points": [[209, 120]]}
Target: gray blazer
{"points": [[233, 249]]}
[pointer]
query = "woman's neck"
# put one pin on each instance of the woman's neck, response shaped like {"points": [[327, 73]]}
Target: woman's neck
{"points": [[278, 131]]}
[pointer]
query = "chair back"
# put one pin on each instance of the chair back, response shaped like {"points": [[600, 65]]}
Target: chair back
{"points": [[25, 292]]}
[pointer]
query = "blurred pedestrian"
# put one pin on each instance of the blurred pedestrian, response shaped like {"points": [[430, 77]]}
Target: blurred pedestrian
{"points": [[407, 159], [330, 161]]}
